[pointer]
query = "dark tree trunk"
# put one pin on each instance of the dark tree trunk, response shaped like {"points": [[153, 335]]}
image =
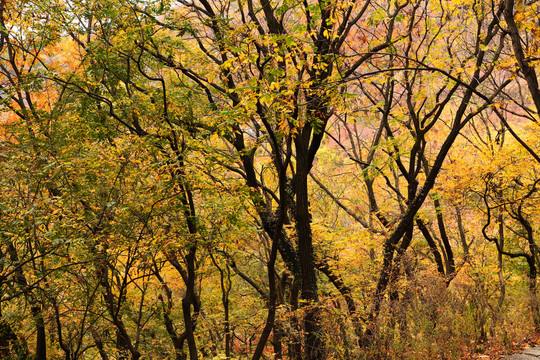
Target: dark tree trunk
{"points": [[99, 345], [450, 266], [432, 246], [41, 340], [10, 345], [313, 345]]}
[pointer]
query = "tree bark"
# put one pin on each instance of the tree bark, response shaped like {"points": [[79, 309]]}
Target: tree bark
{"points": [[314, 347]]}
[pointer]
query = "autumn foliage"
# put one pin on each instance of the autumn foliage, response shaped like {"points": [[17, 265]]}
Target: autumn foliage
{"points": [[302, 180]]}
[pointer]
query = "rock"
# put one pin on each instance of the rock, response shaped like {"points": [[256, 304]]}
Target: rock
{"points": [[534, 351], [521, 357]]}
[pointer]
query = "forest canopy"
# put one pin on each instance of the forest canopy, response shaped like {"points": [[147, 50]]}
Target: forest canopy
{"points": [[272, 179]]}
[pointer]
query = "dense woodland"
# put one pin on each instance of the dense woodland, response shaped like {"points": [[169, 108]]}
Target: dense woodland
{"points": [[268, 179]]}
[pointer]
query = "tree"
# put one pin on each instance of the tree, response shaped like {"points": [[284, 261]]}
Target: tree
{"points": [[196, 179]]}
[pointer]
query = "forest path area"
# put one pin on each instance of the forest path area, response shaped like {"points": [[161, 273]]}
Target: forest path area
{"points": [[529, 354]]}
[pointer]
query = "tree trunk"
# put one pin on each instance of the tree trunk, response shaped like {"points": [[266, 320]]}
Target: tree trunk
{"points": [[313, 345], [41, 340]]}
